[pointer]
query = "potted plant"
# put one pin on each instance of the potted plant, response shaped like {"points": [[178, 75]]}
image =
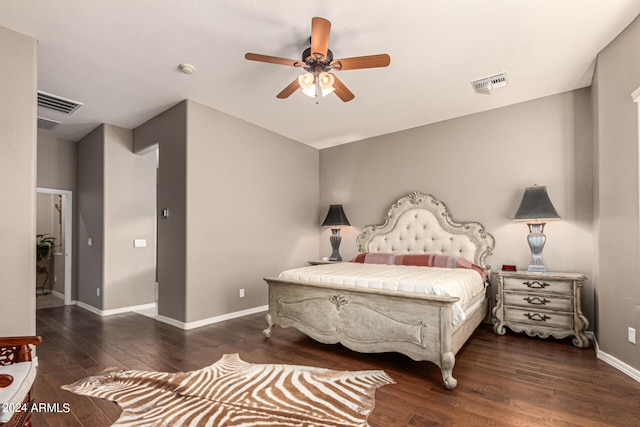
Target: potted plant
{"points": [[44, 245]]}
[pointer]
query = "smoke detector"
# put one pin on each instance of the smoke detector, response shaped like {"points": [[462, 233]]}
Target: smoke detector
{"points": [[186, 68], [487, 84]]}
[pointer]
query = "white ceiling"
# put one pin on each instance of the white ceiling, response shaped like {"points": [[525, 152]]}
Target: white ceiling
{"points": [[120, 58]]}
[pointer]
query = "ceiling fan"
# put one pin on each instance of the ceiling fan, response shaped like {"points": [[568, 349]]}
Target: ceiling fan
{"points": [[318, 61]]}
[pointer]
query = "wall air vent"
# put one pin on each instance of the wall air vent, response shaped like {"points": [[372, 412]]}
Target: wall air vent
{"points": [[47, 124], [487, 84], [57, 103]]}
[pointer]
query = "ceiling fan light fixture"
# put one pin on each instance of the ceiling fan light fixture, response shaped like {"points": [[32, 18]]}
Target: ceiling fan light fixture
{"points": [[326, 82], [306, 82], [313, 86]]}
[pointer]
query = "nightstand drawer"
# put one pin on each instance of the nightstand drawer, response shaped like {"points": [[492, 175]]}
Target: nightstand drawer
{"points": [[538, 284], [539, 300], [540, 318]]}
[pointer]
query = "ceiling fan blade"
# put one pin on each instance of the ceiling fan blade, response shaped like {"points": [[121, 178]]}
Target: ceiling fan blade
{"points": [[287, 91], [272, 59], [357, 62], [341, 90], [320, 29]]}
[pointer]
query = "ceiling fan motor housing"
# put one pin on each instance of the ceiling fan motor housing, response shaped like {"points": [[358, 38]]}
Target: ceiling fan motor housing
{"points": [[314, 64]]}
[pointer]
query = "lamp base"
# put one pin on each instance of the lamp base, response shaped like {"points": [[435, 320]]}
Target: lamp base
{"points": [[537, 269], [536, 240], [335, 240]]}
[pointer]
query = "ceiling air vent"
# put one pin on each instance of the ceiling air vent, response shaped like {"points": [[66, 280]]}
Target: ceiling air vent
{"points": [[57, 103], [487, 84], [47, 124]]}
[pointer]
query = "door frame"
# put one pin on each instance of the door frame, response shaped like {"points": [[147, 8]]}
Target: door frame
{"points": [[68, 235]]}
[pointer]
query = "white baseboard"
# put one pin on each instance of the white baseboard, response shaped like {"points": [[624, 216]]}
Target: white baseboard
{"points": [[113, 311], [57, 294], [612, 361], [169, 321], [211, 320], [178, 324]]}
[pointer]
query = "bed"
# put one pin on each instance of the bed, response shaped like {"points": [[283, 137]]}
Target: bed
{"points": [[382, 305]]}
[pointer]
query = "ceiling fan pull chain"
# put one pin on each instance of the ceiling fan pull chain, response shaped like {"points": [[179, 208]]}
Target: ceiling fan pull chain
{"points": [[316, 79]]}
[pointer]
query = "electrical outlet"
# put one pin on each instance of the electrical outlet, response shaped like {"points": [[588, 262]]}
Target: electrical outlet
{"points": [[632, 335], [241, 293], [98, 291]]}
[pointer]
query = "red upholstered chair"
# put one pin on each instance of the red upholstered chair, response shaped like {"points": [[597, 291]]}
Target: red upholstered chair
{"points": [[17, 374]]}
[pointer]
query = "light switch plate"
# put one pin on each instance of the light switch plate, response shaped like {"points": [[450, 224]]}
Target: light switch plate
{"points": [[140, 243]]}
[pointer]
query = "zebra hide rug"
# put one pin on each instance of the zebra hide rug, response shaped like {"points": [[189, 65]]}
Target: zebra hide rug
{"points": [[232, 392]]}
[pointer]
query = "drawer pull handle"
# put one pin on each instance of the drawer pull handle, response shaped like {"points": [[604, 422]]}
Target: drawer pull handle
{"points": [[535, 284], [536, 300], [537, 317]]}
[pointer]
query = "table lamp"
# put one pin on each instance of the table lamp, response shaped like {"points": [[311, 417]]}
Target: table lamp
{"points": [[536, 208], [335, 218]]}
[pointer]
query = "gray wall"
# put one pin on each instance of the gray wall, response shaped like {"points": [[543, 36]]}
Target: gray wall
{"points": [[129, 214], [252, 200], [18, 85], [167, 132], [616, 195], [116, 205], [57, 162], [479, 165], [243, 204], [90, 202]]}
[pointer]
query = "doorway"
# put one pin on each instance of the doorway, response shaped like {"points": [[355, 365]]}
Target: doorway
{"points": [[54, 218]]}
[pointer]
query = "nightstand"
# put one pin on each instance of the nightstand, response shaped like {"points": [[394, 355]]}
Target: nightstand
{"points": [[541, 304]]}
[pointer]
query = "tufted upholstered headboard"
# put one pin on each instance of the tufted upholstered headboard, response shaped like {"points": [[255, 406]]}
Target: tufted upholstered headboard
{"points": [[421, 224]]}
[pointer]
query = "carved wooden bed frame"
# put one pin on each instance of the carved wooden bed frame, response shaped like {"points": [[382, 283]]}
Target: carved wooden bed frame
{"points": [[377, 320]]}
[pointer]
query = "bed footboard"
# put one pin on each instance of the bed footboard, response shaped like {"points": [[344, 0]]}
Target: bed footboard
{"points": [[368, 320]]}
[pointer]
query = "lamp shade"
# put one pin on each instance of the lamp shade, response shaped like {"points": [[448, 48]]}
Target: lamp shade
{"points": [[335, 216], [536, 205]]}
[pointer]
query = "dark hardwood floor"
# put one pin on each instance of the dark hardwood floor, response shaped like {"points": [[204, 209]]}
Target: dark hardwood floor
{"points": [[510, 380]]}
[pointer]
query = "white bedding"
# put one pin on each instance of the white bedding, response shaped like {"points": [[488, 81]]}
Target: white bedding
{"points": [[466, 284]]}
